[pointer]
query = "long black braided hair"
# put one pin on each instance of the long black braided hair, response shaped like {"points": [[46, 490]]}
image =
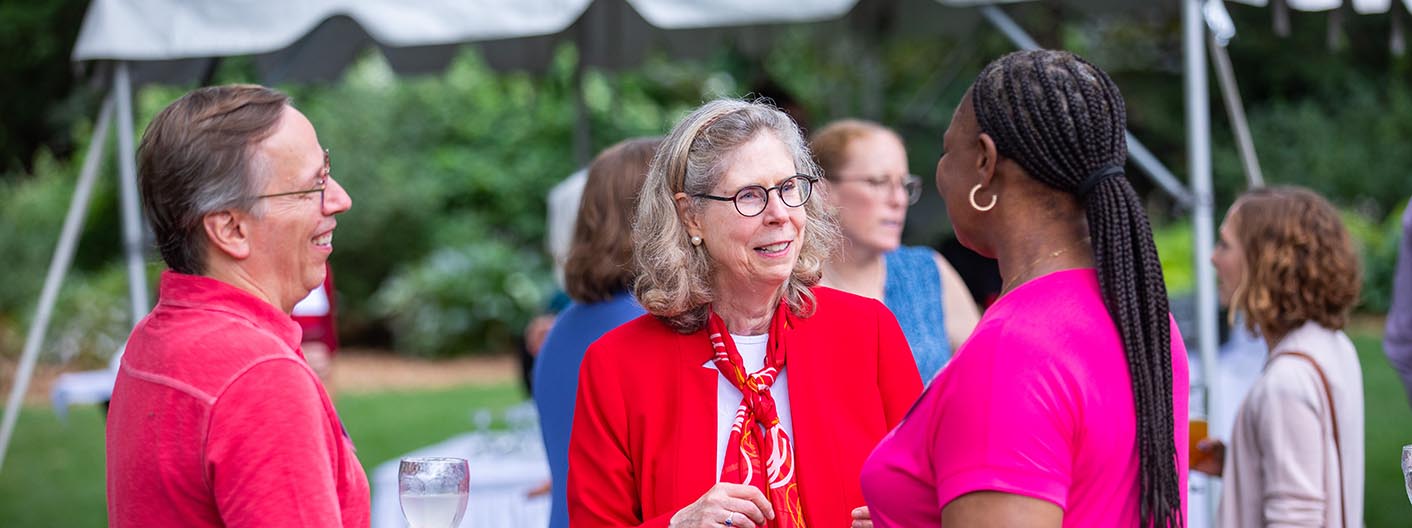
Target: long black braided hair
{"points": [[1063, 120]]}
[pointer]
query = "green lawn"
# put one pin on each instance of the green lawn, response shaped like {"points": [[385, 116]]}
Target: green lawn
{"points": [[1388, 424], [53, 474]]}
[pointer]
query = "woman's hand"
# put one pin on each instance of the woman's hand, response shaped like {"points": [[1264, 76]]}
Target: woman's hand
{"points": [[862, 518], [726, 504], [1213, 458]]}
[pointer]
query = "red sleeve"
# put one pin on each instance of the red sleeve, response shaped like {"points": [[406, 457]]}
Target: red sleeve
{"points": [[269, 450], [603, 489], [898, 380]]}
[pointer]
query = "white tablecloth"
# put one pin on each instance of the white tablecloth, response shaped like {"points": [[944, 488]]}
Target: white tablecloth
{"points": [[504, 467]]}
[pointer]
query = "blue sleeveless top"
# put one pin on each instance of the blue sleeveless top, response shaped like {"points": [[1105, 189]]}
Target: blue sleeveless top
{"points": [[913, 293]]}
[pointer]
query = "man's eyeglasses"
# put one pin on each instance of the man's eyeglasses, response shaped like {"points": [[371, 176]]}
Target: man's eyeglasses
{"points": [[882, 185], [324, 175], [752, 199]]}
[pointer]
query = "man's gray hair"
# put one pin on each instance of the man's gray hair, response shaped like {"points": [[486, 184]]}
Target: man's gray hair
{"points": [[198, 156]]}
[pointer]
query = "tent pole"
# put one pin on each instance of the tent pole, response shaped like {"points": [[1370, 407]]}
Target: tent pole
{"points": [[1198, 127], [1007, 26], [127, 184], [1235, 109], [1137, 152], [58, 267]]}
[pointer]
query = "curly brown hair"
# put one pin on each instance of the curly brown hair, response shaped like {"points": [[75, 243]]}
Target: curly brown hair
{"points": [[1300, 263]]}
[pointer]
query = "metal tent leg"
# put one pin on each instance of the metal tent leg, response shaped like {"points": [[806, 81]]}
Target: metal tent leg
{"points": [[1198, 125], [58, 267], [127, 185], [1235, 109]]}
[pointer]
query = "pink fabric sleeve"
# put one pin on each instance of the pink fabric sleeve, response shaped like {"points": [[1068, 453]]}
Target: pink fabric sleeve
{"points": [[270, 448], [1005, 429]]}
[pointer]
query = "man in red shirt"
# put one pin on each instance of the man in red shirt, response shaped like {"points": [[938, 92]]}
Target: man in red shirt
{"points": [[216, 419]]}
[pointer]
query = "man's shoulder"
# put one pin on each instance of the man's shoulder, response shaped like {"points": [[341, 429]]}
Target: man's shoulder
{"points": [[204, 351]]}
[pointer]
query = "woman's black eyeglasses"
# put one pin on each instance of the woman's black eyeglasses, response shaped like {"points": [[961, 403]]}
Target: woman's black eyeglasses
{"points": [[752, 199]]}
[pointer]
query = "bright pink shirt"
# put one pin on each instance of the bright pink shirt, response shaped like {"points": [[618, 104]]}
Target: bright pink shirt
{"points": [[216, 420], [1038, 402]]}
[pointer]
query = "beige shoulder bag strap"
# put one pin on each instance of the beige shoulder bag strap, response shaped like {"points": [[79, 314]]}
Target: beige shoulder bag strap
{"points": [[1333, 417]]}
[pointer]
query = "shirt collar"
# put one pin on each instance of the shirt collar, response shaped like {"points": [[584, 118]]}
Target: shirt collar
{"points": [[180, 290]]}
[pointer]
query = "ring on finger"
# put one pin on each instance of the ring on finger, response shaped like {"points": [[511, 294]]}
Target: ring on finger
{"points": [[728, 522]]}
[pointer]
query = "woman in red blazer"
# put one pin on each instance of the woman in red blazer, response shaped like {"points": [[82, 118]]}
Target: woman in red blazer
{"points": [[748, 396]]}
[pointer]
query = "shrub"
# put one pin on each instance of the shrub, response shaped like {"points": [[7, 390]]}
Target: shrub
{"points": [[90, 317], [469, 298], [1377, 247]]}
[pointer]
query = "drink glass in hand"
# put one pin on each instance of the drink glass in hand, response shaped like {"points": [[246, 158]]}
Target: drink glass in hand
{"points": [[433, 491], [1407, 470], [1196, 432]]}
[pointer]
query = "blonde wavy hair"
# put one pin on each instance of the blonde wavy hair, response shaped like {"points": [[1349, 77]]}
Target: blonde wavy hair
{"points": [[1300, 263], [830, 144], [674, 280]]}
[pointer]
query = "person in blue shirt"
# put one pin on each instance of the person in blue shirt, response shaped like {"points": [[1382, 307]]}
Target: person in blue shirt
{"points": [[869, 188], [597, 276]]}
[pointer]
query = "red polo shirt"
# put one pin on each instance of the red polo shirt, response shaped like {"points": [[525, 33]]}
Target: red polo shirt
{"points": [[216, 420]]}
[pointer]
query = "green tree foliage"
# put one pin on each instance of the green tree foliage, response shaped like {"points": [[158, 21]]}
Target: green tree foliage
{"points": [[443, 246], [1332, 119], [38, 98], [442, 251], [91, 316]]}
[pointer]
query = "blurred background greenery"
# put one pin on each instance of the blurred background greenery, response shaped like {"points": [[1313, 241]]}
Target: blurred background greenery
{"points": [[442, 253]]}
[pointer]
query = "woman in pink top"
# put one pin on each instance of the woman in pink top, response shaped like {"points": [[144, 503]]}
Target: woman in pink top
{"points": [[1060, 409]]}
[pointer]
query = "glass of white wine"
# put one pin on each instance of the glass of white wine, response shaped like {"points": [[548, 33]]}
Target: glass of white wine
{"points": [[433, 491], [1407, 470]]}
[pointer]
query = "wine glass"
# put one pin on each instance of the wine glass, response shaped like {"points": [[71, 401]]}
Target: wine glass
{"points": [[1407, 470], [433, 491]]}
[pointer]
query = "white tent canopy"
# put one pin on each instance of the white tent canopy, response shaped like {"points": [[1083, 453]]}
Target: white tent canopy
{"points": [[175, 41], [1362, 7], [173, 29]]}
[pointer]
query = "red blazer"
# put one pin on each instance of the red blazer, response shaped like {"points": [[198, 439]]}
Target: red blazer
{"points": [[644, 436]]}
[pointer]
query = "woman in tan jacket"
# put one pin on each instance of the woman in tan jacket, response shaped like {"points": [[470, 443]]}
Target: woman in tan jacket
{"points": [[1295, 457]]}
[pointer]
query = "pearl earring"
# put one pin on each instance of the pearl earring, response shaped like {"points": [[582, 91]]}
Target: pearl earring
{"points": [[695, 240]]}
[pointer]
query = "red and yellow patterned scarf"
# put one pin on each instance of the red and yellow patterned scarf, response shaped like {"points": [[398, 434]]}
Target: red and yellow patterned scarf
{"points": [[766, 460]]}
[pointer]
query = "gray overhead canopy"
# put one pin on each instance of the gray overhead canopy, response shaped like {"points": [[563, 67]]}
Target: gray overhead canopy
{"points": [[177, 41]]}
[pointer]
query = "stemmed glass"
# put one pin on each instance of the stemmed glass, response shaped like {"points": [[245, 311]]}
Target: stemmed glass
{"points": [[433, 491], [1407, 470]]}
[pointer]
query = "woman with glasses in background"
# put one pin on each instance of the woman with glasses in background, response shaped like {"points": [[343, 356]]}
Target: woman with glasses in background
{"points": [[869, 188], [748, 396]]}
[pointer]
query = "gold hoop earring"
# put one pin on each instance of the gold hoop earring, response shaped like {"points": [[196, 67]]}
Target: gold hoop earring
{"points": [[977, 206]]}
